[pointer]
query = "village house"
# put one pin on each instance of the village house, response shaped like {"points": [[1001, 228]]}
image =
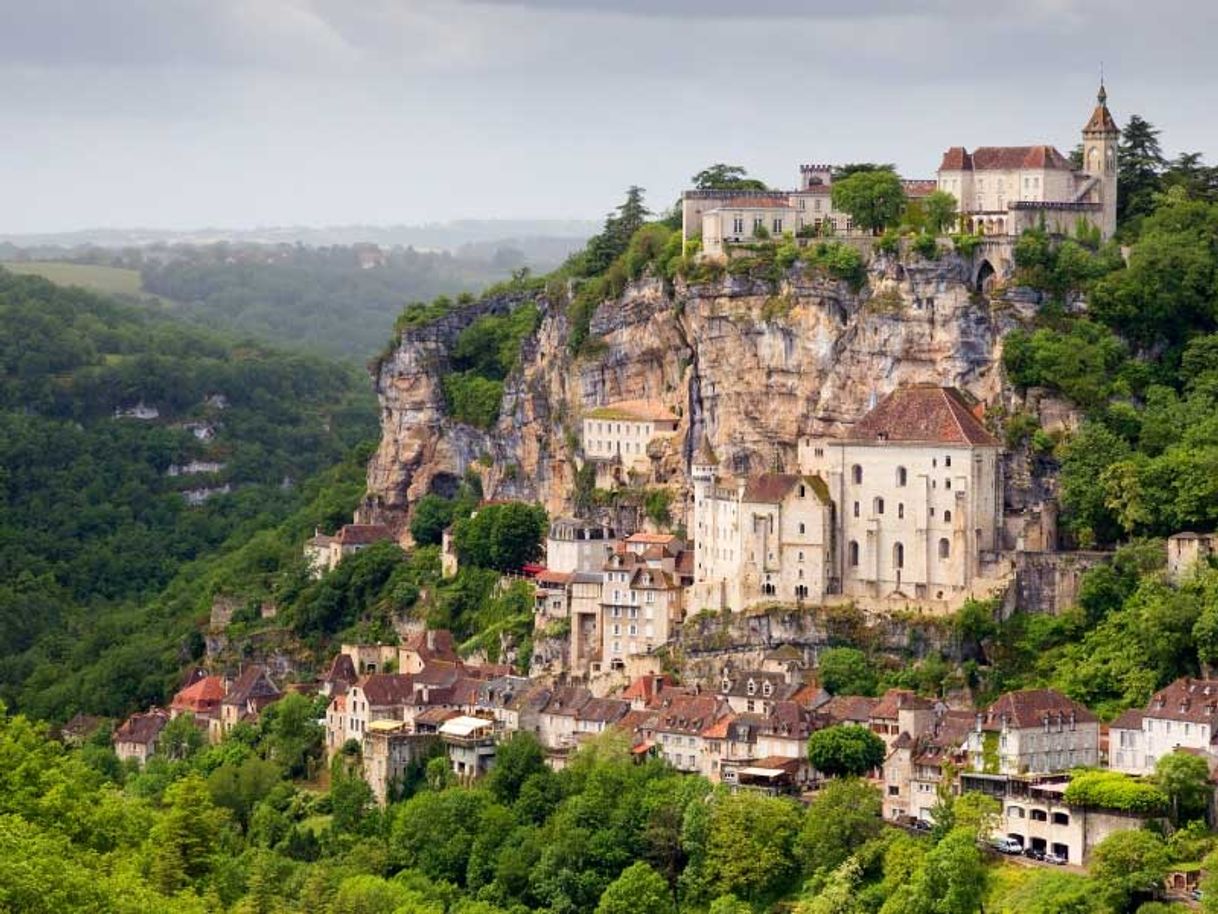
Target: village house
{"points": [[574, 545], [1034, 731], [685, 727], [501, 699], [470, 743], [755, 691], [377, 696], [202, 698], [557, 721], [598, 714], [324, 552], [1185, 551], [424, 647], [764, 539], [641, 600], [617, 439], [389, 747], [1182, 715], [901, 711], [926, 766], [252, 691], [339, 677], [137, 737], [585, 653], [917, 486], [1003, 190]]}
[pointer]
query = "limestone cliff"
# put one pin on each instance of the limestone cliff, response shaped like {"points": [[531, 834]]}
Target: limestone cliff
{"points": [[748, 364]]}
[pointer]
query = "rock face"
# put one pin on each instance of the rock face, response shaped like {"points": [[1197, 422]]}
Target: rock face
{"points": [[747, 364]]}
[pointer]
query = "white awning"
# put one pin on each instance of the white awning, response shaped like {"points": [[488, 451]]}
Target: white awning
{"points": [[464, 726], [762, 772]]}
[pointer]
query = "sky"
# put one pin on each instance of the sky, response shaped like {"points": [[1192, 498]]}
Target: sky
{"points": [[246, 113]]}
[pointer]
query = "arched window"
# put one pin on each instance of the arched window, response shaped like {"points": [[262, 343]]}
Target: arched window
{"points": [[853, 551], [945, 548], [947, 517], [801, 591], [877, 506], [902, 476], [856, 474], [898, 555], [801, 528]]}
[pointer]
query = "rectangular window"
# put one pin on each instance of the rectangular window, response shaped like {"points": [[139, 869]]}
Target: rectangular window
{"points": [[777, 226]]}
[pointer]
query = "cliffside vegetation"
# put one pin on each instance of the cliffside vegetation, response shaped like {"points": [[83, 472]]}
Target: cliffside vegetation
{"points": [[103, 561]]}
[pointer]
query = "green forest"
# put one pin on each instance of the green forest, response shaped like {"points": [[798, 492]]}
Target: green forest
{"points": [[103, 563]]}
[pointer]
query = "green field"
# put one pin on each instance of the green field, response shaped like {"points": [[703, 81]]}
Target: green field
{"points": [[107, 280]]}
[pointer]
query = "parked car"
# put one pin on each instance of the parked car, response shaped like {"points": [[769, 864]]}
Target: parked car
{"points": [[921, 825], [1055, 859], [1195, 894], [1034, 853], [1008, 846]]}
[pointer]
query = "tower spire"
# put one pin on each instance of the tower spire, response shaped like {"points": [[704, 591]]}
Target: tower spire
{"points": [[1102, 95]]}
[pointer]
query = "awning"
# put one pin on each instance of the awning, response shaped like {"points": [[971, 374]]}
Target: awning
{"points": [[762, 772]]}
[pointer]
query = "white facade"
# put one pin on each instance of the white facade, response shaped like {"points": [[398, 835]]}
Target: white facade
{"points": [[766, 539], [577, 545]]}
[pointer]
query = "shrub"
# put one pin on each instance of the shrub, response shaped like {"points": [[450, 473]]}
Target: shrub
{"points": [[926, 246], [1113, 790]]}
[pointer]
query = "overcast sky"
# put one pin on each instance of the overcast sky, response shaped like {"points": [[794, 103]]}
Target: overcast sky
{"points": [[188, 113]]}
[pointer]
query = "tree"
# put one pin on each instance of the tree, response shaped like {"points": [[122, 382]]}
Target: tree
{"points": [[978, 813], [183, 843], [939, 208], [845, 750], [874, 199], [1209, 890], [638, 890], [1140, 168], [516, 760], [181, 738], [725, 177], [432, 515], [750, 844], [836, 896], [291, 734], [502, 536], [1129, 865], [846, 671], [844, 816], [1185, 779], [953, 877]]}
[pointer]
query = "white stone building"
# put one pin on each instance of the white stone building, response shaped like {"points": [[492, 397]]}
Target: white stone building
{"points": [[1034, 731], [617, 438], [573, 544], [765, 539], [1002, 190], [641, 601], [917, 485], [1183, 715]]}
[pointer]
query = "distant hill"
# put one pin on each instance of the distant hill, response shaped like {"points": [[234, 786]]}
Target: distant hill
{"points": [[131, 448], [339, 301]]}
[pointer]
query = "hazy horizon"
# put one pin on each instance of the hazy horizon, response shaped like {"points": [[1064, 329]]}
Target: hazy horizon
{"points": [[239, 114]]}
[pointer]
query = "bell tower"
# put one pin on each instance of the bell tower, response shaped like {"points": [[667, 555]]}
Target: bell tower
{"points": [[1100, 140]]}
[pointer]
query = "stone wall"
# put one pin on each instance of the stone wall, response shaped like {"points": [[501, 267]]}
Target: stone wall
{"points": [[1048, 582]]}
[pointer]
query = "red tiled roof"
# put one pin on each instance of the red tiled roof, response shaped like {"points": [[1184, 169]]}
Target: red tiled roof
{"points": [[659, 539], [771, 488], [342, 669], [432, 644], [895, 700], [637, 721], [363, 534], [1004, 158], [924, 413], [1030, 707], [142, 729], [919, 188], [204, 695], [1187, 699], [384, 689], [603, 710], [691, 714], [849, 708], [645, 688], [1128, 720], [252, 685], [718, 730], [553, 577], [754, 203]]}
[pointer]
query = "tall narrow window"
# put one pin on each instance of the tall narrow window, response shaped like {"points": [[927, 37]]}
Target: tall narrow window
{"points": [[856, 474], [877, 506], [902, 476], [945, 548], [898, 555], [900, 510], [853, 551]]}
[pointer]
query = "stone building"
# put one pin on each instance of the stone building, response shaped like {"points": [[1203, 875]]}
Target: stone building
{"points": [[573, 545], [917, 488], [642, 598], [1003, 190], [618, 438], [1034, 731], [1182, 715], [136, 739], [1186, 550], [765, 539], [323, 552], [389, 747]]}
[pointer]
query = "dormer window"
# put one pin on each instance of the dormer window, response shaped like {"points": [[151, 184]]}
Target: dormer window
{"points": [[752, 687], [727, 685], [767, 689]]}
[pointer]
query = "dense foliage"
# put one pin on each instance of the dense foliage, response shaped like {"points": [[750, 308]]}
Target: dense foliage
{"points": [[99, 549]]}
